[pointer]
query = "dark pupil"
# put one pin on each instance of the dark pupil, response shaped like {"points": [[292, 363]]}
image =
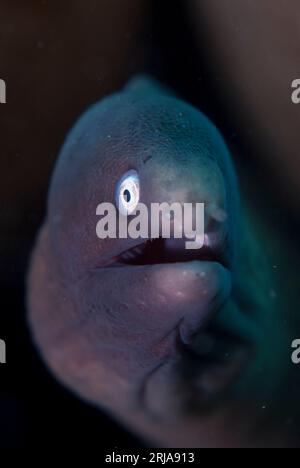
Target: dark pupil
{"points": [[126, 195]]}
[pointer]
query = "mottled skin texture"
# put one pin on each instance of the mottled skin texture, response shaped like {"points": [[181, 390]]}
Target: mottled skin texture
{"points": [[157, 345]]}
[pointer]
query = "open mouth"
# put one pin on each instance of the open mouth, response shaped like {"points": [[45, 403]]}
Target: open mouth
{"points": [[162, 251]]}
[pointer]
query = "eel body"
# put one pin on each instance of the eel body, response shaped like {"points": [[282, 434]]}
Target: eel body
{"points": [[147, 330]]}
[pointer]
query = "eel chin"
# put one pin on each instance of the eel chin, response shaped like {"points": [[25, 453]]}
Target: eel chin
{"points": [[143, 326], [206, 359]]}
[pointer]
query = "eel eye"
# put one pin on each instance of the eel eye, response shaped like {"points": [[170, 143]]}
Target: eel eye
{"points": [[128, 193]]}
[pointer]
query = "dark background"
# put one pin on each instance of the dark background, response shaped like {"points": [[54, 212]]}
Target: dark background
{"points": [[57, 58]]}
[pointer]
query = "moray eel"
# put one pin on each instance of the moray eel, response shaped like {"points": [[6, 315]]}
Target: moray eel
{"points": [[153, 333]]}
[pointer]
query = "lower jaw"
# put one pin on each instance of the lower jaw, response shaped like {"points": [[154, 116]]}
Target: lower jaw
{"points": [[204, 370]]}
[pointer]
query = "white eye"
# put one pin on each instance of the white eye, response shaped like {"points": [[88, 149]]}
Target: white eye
{"points": [[128, 192]]}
